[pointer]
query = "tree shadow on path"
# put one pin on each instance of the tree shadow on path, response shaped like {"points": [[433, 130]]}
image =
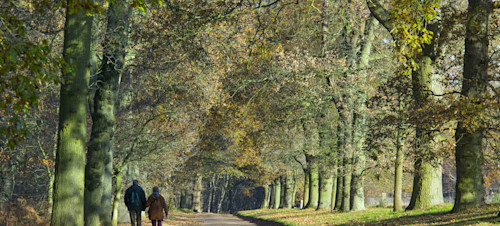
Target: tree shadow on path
{"points": [[259, 222]]}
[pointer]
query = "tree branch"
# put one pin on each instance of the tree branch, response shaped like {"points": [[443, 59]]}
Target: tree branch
{"points": [[382, 15]]}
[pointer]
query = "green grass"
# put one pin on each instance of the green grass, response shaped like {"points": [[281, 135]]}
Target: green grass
{"points": [[182, 210], [438, 215]]}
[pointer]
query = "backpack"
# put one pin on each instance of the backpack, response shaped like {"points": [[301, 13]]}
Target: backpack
{"points": [[135, 200]]}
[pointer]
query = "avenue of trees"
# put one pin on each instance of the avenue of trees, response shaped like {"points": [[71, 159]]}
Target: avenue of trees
{"points": [[231, 105]]}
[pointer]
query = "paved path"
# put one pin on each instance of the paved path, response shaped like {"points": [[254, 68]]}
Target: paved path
{"points": [[210, 219], [221, 219]]}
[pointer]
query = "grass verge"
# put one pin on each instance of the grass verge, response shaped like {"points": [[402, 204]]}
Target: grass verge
{"points": [[438, 215]]}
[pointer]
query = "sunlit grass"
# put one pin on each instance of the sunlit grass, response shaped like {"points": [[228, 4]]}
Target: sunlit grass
{"points": [[437, 215]]}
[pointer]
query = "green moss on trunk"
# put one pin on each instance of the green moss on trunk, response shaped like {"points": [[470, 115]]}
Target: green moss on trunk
{"points": [[277, 193], [325, 193], [468, 151], [68, 208]]}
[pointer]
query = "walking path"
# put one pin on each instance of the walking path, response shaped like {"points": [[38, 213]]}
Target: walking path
{"points": [[221, 219], [208, 219]]}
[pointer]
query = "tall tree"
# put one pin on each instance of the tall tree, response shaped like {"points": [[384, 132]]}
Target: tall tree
{"points": [[427, 88], [468, 151], [98, 170], [289, 190], [69, 181], [361, 116]]}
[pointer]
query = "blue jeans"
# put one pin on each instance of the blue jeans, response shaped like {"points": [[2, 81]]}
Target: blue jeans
{"points": [[135, 216]]}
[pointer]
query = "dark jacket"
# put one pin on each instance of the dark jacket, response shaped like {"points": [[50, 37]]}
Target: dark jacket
{"points": [[157, 206], [128, 196]]}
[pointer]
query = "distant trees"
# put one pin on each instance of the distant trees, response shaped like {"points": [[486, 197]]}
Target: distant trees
{"points": [[276, 102]]}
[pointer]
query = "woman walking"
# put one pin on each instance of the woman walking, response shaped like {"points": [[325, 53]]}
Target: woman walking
{"points": [[157, 206]]}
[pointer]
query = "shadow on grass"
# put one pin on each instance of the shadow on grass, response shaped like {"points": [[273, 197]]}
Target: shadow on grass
{"points": [[439, 218], [302, 215]]}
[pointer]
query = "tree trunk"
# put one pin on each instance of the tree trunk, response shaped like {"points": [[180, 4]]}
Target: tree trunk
{"points": [[211, 188], [116, 200], [7, 184], [348, 156], [295, 187], [106, 213], [277, 193], [468, 150], [313, 183], [357, 198], [357, 184], [426, 189], [340, 168], [398, 169], [334, 186], [289, 189], [283, 190], [306, 186], [197, 197], [325, 190], [271, 196], [184, 200], [265, 199], [225, 182], [100, 149], [340, 185], [69, 181], [427, 184]]}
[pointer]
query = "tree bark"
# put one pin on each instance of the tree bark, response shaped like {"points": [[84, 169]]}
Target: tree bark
{"points": [[225, 183], [468, 150], [7, 185], [357, 184], [340, 168], [427, 184], [283, 190], [398, 169], [289, 192], [211, 195], [426, 189], [313, 182], [117, 197], [183, 200], [334, 186], [307, 181], [69, 184], [100, 150], [277, 193], [348, 157], [295, 187], [197, 197], [265, 199], [360, 130], [325, 193], [271, 195]]}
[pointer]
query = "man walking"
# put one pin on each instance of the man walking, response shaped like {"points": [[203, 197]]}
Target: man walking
{"points": [[135, 198]]}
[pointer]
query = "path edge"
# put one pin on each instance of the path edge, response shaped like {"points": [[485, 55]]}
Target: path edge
{"points": [[259, 221]]}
